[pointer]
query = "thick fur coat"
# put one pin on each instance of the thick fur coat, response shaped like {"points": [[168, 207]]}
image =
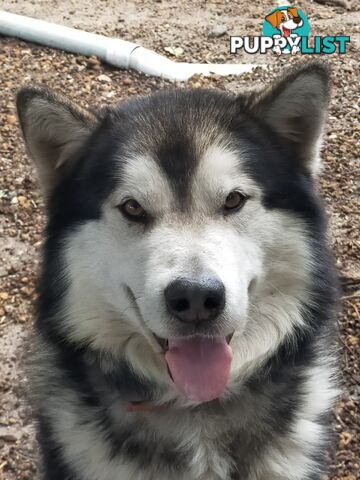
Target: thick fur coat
{"points": [[183, 184]]}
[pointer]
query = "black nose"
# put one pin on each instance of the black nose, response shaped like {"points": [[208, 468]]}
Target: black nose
{"points": [[195, 300], [297, 20]]}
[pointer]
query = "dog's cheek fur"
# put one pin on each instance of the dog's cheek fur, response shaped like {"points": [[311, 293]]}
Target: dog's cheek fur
{"points": [[97, 308], [278, 294]]}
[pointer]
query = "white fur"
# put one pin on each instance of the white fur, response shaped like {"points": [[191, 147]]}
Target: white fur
{"points": [[249, 246], [116, 273], [107, 256]]}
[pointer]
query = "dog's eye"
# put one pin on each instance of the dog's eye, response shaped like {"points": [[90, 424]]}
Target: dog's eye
{"points": [[234, 201], [283, 19], [132, 209]]}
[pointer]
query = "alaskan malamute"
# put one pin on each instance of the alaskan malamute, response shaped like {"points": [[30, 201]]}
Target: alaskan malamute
{"points": [[186, 300]]}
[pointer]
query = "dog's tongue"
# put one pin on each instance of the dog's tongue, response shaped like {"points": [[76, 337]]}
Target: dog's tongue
{"points": [[286, 32], [199, 366]]}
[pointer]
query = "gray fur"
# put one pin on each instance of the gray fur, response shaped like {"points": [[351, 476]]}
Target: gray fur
{"points": [[101, 306]]}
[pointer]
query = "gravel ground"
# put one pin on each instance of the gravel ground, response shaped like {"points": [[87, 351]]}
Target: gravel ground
{"points": [[158, 25]]}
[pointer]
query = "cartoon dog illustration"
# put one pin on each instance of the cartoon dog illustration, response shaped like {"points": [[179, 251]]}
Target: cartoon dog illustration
{"points": [[285, 21]]}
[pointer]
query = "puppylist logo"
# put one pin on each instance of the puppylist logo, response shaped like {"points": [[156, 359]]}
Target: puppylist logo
{"points": [[287, 30]]}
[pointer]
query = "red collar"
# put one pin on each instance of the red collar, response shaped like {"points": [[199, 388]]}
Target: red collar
{"points": [[140, 406]]}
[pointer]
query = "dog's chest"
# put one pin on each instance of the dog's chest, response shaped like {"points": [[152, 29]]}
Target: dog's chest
{"points": [[200, 446]]}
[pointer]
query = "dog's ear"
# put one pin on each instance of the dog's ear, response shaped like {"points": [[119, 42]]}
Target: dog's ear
{"points": [[293, 11], [295, 108], [53, 129], [274, 18]]}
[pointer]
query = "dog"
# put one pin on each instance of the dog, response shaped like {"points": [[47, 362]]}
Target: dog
{"points": [[185, 316], [285, 20]]}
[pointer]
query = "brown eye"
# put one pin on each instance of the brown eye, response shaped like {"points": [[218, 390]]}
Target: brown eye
{"points": [[234, 201], [132, 209]]}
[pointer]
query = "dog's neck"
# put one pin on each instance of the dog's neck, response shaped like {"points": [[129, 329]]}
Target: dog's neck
{"points": [[145, 406]]}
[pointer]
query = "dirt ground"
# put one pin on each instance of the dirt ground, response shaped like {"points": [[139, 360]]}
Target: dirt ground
{"points": [[158, 25]]}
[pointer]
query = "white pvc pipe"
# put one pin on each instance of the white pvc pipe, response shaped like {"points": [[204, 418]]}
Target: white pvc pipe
{"points": [[119, 53]]}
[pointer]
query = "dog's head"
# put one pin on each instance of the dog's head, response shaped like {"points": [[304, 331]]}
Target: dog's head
{"points": [[179, 222], [285, 20]]}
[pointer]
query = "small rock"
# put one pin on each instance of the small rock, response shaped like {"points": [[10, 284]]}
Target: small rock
{"points": [[11, 119], [104, 78], [174, 51], [24, 202], [93, 62], [217, 30], [8, 438], [353, 340], [345, 439], [8, 435]]}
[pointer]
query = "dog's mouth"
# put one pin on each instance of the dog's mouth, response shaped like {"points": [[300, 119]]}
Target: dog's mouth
{"points": [[199, 365], [164, 342], [286, 32]]}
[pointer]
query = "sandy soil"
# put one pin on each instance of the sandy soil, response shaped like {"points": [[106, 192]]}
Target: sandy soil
{"points": [[156, 25]]}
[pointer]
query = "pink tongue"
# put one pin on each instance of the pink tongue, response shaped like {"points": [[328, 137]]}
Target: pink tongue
{"points": [[286, 32], [199, 366]]}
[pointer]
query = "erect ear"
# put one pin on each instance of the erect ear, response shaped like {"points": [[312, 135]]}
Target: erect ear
{"points": [[274, 18], [295, 108], [54, 129]]}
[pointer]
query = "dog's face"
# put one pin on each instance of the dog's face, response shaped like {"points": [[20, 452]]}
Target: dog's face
{"points": [[285, 20], [183, 215]]}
